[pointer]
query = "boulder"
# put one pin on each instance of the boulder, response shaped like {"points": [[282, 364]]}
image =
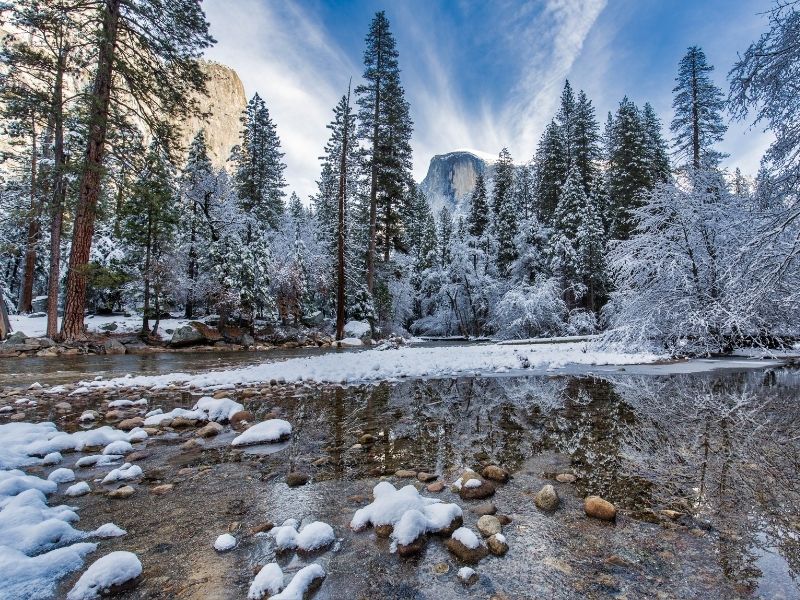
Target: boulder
{"points": [[547, 498], [467, 555], [209, 333], [313, 319], [114, 347], [16, 338], [478, 492], [598, 508], [186, 335], [296, 479]]}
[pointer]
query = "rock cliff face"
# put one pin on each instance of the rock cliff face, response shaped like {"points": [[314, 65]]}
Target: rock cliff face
{"points": [[451, 179], [219, 113]]}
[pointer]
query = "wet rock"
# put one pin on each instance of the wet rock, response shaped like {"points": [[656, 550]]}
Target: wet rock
{"points": [[128, 424], [384, 531], [164, 488], [547, 498], [497, 544], [182, 422], [241, 420], [487, 508], [464, 554], [566, 478], [495, 473], [186, 335], [114, 347], [468, 576], [435, 488], [210, 430], [405, 474], [19, 416], [114, 415], [262, 527], [137, 456], [477, 492], [489, 525], [504, 519], [465, 476], [596, 507], [415, 547], [63, 406], [17, 337], [125, 491], [296, 479], [192, 444], [366, 439]]}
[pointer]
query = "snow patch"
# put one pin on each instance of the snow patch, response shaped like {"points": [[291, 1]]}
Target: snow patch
{"points": [[111, 570], [272, 430], [224, 543], [268, 582]]}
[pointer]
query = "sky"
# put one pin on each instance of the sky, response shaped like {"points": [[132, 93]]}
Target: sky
{"points": [[478, 74]]}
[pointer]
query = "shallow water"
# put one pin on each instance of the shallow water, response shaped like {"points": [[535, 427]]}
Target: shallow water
{"points": [[722, 448]]}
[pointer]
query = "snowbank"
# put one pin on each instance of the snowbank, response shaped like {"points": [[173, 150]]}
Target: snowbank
{"points": [[313, 536], [218, 409], [375, 365], [268, 582], [301, 583], [113, 569]]}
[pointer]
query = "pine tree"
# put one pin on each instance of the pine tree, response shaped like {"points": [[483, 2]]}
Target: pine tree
{"points": [[259, 168], [150, 220], [566, 120], [505, 212], [524, 198], [159, 71], [551, 168], [656, 146], [478, 218], [385, 128], [444, 236], [698, 105], [586, 143], [503, 181]]}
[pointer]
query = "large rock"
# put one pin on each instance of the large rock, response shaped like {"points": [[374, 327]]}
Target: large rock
{"points": [[597, 507], [16, 338], [114, 347], [358, 329], [451, 177], [488, 525], [186, 335], [547, 498]]}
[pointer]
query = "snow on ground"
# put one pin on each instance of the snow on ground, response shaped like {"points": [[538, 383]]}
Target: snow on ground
{"points": [[268, 582], [36, 326], [311, 537], [415, 361], [272, 430], [113, 569], [466, 537], [218, 409], [301, 583], [224, 542]]}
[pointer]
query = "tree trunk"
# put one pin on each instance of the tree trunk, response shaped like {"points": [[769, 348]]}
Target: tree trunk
{"points": [[189, 309], [75, 301], [373, 187], [26, 292], [149, 244], [59, 195], [340, 284]]}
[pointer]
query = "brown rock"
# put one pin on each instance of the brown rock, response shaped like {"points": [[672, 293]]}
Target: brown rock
{"points": [[426, 477], [137, 456], [192, 444], [63, 406], [504, 519], [435, 488], [296, 479], [221, 394], [18, 416], [497, 545], [405, 474], [415, 547], [180, 422], [467, 555], [465, 476], [487, 508], [242, 419], [671, 514], [489, 525], [210, 430], [262, 527], [132, 423], [384, 531], [114, 415], [484, 490], [125, 491], [547, 498], [366, 439], [164, 488], [596, 507], [566, 478], [495, 473], [454, 524]]}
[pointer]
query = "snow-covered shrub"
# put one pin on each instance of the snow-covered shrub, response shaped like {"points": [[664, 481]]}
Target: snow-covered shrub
{"points": [[531, 311]]}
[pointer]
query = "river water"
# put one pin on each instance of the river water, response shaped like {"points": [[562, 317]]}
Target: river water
{"points": [[721, 448]]}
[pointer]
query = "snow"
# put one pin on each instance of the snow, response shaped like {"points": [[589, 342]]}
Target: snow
{"points": [[500, 538], [410, 526], [473, 483], [111, 570], [312, 537], [301, 583], [35, 577], [465, 573], [36, 326], [350, 342], [357, 329], [221, 409], [97, 460], [125, 473], [108, 530], [268, 582], [52, 459], [407, 361], [272, 430], [79, 489], [88, 415], [118, 447], [61, 475], [466, 537], [126, 403], [155, 420], [224, 543]]}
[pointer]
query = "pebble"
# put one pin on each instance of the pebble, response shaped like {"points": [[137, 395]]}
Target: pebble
{"points": [[566, 478], [128, 424], [484, 490], [435, 488], [63, 406], [596, 507], [125, 491], [497, 545], [504, 519], [192, 444], [367, 438], [467, 576], [210, 430], [164, 488], [489, 525], [487, 508], [441, 568], [547, 498], [296, 479], [405, 474], [426, 477]]}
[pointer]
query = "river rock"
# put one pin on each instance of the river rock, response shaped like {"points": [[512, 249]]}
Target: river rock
{"points": [[566, 478], [179, 422], [132, 423], [487, 508], [63, 406], [547, 498], [296, 479], [497, 544], [467, 555], [488, 525], [114, 347], [186, 335], [405, 474], [384, 531], [436, 487], [484, 490], [426, 477], [16, 338], [162, 489], [415, 547], [495, 473], [240, 420], [210, 430], [125, 491], [596, 507]]}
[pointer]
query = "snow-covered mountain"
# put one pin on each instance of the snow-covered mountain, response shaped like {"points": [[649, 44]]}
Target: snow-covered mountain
{"points": [[451, 177]]}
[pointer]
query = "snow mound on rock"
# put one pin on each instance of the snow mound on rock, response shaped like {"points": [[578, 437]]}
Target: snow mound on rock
{"points": [[301, 583], [273, 430], [217, 409], [268, 582], [112, 570]]}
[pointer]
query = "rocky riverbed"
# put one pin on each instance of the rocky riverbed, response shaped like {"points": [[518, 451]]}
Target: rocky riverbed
{"points": [[700, 471]]}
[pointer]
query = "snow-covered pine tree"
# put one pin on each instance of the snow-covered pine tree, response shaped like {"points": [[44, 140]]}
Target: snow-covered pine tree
{"points": [[698, 105], [656, 146], [524, 198], [478, 217], [258, 169], [385, 129], [550, 171], [566, 121], [504, 212], [586, 143]]}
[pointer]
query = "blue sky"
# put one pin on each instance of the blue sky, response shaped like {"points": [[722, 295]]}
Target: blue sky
{"points": [[479, 75]]}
